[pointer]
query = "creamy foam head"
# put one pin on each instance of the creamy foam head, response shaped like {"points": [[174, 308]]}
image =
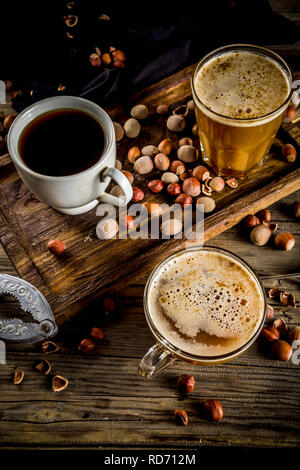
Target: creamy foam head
{"points": [[205, 303], [242, 84]]}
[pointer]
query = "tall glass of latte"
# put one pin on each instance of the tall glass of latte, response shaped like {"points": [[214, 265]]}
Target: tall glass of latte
{"points": [[240, 93], [204, 306]]}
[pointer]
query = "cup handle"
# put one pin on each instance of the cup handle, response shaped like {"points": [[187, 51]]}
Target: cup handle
{"points": [[119, 178], [154, 361]]}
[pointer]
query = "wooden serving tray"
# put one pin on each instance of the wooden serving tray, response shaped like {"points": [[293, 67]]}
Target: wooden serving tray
{"points": [[90, 266]]}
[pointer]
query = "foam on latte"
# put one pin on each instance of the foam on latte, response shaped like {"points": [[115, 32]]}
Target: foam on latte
{"points": [[205, 303], [242, 85]]}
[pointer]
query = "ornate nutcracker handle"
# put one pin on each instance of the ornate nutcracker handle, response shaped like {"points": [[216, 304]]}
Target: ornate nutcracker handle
{"points": [[32, 301]]}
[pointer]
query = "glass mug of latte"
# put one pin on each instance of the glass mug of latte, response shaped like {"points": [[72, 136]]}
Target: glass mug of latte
{"points": [[203, 306], [240, 92]]}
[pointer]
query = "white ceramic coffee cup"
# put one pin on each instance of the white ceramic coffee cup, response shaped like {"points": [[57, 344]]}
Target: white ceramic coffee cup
{"points": [[79, 193]]}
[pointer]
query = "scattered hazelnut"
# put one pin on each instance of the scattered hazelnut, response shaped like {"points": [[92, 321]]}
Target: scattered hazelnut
{"points": [[192, 187], [133, 154], [176, 123], [128, 175], [294, 335], [117, 191], [232, 182], [86, 345], [217, 184], [97, 333], [282, 350], [185, 141], [109, 305], [201, 173], [49, 347], [213, 409], [260, 235], [143, 165], [43, 366], [118, 165], [251, 221], [183, 199], [173, 189], [281, 326], [95, 60], [171, 227], [289, 114], [162, 109], [186, 383], [207, 191], [156, 186], [181, 417], [106, 58], [287, 298], [270, 312], [161, 162], [208, 203], [140, 111], [270, 334], [191, 105], [119, 131], [289, 153], [169, 177], [8, 121], [165, 146], [296, 209], [107, 228], [181, 110], [150, 150], [284, 241], [56, 247], [273, 293], [138, 194], [153, 208], [187, 174], [59, 383], [195, 129], [177, 167], [264, 215], [187, 153], [132, 128], [18, 377]]}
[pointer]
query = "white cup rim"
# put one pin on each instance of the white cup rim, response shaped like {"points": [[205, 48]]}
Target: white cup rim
{"points": [[109, 133]]}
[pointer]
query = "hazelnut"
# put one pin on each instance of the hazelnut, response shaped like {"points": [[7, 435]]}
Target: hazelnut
{"points": [[86, 345], [191, 105], [8, 121], [282, 350], [119, 64], [59, 383], [117, 55], [106, 58], [270, 312], [161, 162], [57, 247], [176, 123], [183, 199], [192, 187], [289, 153], [43, 366], [260, 235], [208, 203], [187, 153], [287, 299], [138, 194], [187, 174], [284, 241], [213, 409], [119, 131], [181, 417], [116, 191], [251, 221], [270, 334], [232, 182], [289, 114], [294, 335], [201, 173], [181, 110], [165, 146], [153, 208], [109, 305], [273, 293], [171, 227], [49, 347], [140, 111], [128, 175], [143, 165], [217, 184], [133, 154], [132, 128], [18, 377], [169, 177], [281, 326], [106, 229], [195, 129], [177, 167], [162, 109], [95, 60], [173, 189], [156, 186], [150, 150], [264, 215], [97, 333], [185, 141], [296, 209], [118, 165], [186, 383]]}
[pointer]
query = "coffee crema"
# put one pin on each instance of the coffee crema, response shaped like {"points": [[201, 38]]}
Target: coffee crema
{"points": [[205, 303]]}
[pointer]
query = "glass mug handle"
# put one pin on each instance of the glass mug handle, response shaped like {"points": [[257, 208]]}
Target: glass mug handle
{"points": [[119, 178], [154, 361]]}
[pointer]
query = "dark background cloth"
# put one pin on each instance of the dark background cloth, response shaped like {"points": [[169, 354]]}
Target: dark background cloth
{"points": [[158, 38]]}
